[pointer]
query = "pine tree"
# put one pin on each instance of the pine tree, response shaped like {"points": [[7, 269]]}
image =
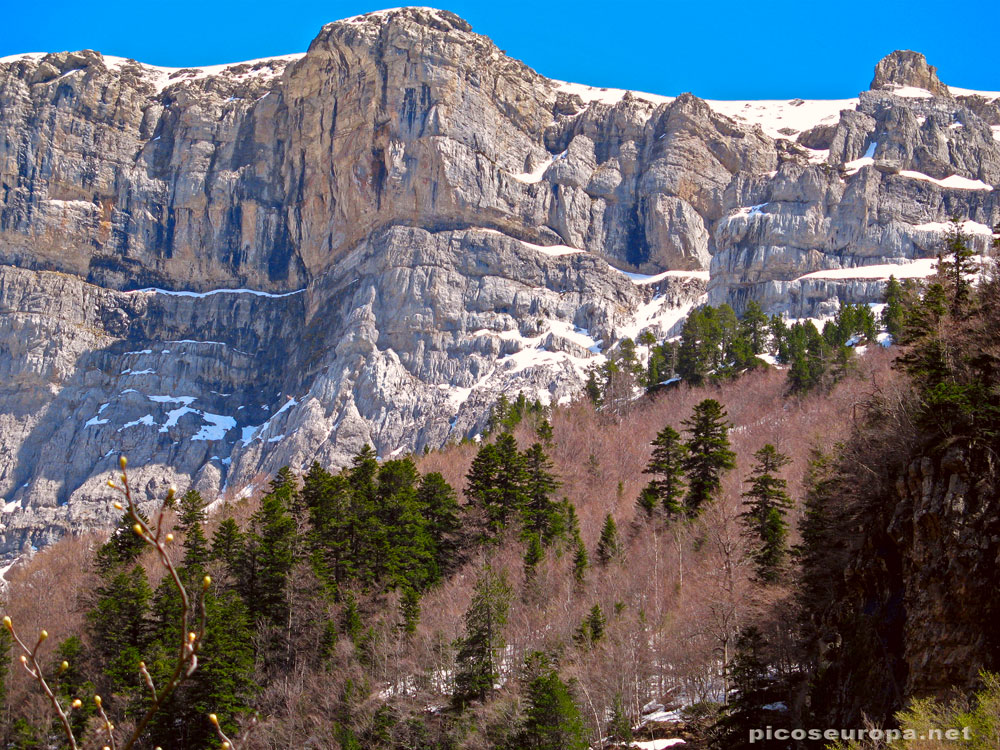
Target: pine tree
{"points": [[580, 559], [480, 649], [620, 727], [544, 433], [667, 465], [764, 519], [892, 314], [748, 674], [609, 546], [541, 516], [409, 608], [267, 560], [708, 454], [227, 548], [190, 510], [754, 326], [440, 508], [534, 554], [552, 719], [119, 625], [956, 266]]}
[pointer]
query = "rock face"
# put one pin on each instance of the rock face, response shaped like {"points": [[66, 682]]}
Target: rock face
{"points": [[222, 271]]}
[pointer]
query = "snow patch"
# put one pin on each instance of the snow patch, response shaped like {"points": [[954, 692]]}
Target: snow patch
{"points": [[217, 427], [797, 115], [610, 97], [201, 295], [953, 182]]}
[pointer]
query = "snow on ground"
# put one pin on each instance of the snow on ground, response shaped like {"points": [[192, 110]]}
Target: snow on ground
{"points": [[955, 91], [643, 279], [607, 96], [954, 182], [774, 115], [252, 432], [536, 175], [216, 429], [656, 314], [173, 293], [853, 166], [910, 92], [969, 227], [916, 269], [658, 744], [23, 56]]}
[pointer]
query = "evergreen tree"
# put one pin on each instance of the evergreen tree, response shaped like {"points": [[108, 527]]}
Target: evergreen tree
{"points": [[751, 689], [495, 483], [122, 548], [534, 554], [267, 559], [806, 351], [667, 465], [119, 626], [480, 649], [593, 388], [620, 727], [956, 266], [580, 559], [552, 719], [440, 508], [708, 454], [754, 326], [541, 516], [68, 683], [227, 548], [892, 314], [409, 608], [609, 546], [190, 511], [544, 433], [764, 519]]}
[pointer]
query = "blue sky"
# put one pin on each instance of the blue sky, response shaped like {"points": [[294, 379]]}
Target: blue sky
{"points": [[719, 50]]}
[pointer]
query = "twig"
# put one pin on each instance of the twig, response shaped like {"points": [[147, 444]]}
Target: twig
{"points": [[227, 744], [35, 670], [187, 652]]}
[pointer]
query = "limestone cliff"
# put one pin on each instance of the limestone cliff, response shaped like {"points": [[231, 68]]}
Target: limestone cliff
{"points": [[221, 271]]}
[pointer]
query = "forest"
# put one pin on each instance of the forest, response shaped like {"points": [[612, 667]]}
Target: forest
{"points": [[684, 552]]}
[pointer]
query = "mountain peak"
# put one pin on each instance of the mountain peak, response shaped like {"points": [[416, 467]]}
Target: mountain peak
{"points": [[441, 20], [906, 68]]}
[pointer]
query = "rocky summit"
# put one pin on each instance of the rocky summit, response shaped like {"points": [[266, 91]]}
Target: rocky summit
{"points": [[221, 271]]}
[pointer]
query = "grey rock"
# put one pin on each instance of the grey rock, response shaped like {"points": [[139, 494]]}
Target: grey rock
{"points": [[418, 224]]}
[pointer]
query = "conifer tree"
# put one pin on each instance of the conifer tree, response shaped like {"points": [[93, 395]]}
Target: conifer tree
{"points": [[748, 675], [754, 327], [620, 727], [667, 466], [708, 454], [409, 608], [439, 506], [268, 558], [479, 650], [609, 546], [227, 548], [580, 559], [956, 266], [119, 625], [764, 521], [190, 510], [541, 516], [892, 314], [552, 719], [534, 554]]}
